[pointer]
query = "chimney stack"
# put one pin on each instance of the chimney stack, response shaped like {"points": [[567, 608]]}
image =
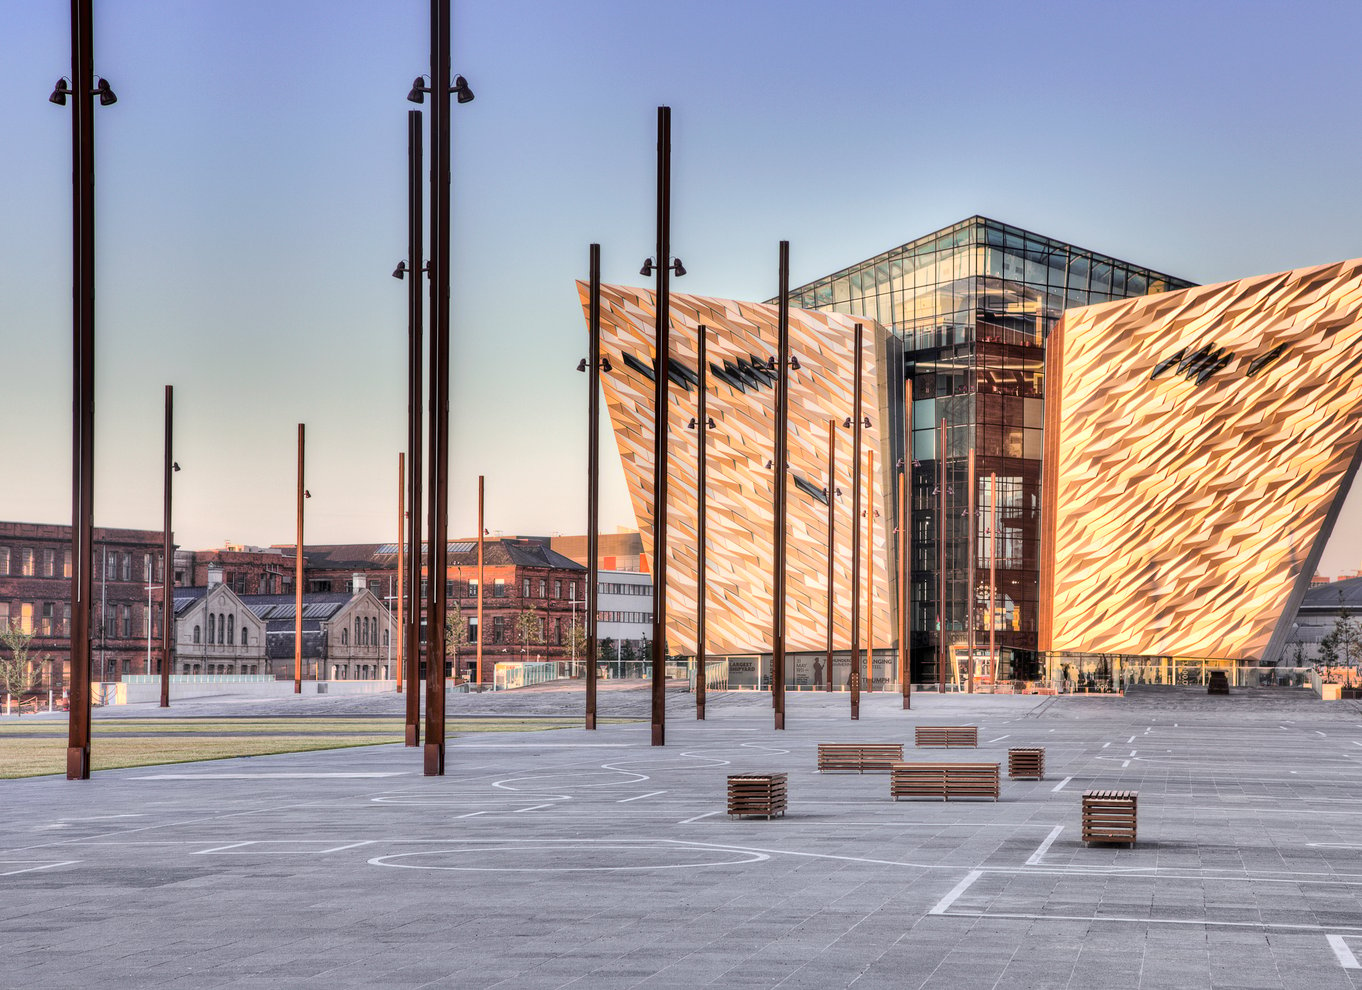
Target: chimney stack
{"points": [[214, 575]]}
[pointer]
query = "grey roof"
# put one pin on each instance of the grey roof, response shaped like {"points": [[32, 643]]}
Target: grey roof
{"points": [[1328, 597], [185, 598], [317, 605]]}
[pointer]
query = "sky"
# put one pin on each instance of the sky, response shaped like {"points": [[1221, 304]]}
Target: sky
{"points": [[251, 204]]}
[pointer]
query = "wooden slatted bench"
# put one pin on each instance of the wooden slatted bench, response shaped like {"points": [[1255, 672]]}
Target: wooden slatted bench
{"points": [[944, 780], [858, 756], [949, 736], [1026, 763], [761, 795], [1109, 816]]}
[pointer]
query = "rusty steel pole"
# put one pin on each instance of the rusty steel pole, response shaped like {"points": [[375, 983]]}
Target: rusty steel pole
{"points": [[481, 533], [781, 465], [660, 410], [401, 565], [992, 574], [83, 382], [969, 539], [870, 574], [941, 560], [167, 555], [593, 481], [434, 752], [701, 498], [905, 548], [855, 676], [831, 491], [298, 577], [415, 414]]}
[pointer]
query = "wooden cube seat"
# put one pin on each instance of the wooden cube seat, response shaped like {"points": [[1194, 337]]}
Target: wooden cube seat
{"points": [[1109, 816], [761, 795], [1026, 763]]}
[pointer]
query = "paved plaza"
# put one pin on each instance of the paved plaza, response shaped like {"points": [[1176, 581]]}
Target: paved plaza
{"points": [[592, 860]]}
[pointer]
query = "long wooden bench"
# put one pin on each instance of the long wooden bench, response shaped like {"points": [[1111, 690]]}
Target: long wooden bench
{"points": [[949, 736], [858, 756], [761, 795], [1109, 816], [944, 780], [1026, 763]]}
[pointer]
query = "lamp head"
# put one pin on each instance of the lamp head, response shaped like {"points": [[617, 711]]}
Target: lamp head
{"points": [[846, 423], [581, 365], [105, 93], [647, 268], [709, 422], [691, 424], [306, 493], [606, 365], [678, 268], [401, 270], [461, 90], [417, 93], [794, 363], [175, 466], [59, 92]]}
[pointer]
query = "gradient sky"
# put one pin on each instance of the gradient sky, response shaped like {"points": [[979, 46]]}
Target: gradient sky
{"points": [[252, 203]]}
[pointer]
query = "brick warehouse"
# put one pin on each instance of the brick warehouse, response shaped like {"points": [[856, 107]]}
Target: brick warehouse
{"points": [[522, 575], [35, 594]]}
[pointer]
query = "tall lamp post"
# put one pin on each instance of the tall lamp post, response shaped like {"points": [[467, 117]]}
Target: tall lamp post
{"points": [[440, 90], [662, 264], [700, 424], [595, 364], [415, 409], [303, 495], [831, 491], [941, 582], [401, 573], [905, 570], [870, 513], [854, 421], [167, 556], [81, 89], [782, 365]]}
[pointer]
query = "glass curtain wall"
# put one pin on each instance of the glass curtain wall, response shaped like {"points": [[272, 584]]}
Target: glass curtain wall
{"points": [[973, 305]]}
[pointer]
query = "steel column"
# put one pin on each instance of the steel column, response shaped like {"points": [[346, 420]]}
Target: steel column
{"points": [[83, 385], [415, 414], [969, 580], [401, 566], [855, 676], [992, 573], [298, 577], [832, 545], [782, 454], [941, 560], [701, 485], [870, 573], [434, 762], [905, 548], [167, 555], [660, 410], [593, 481], [481, 533]]}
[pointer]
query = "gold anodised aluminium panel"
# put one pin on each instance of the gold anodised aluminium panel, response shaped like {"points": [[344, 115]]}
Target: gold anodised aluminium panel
{"points": [[1185, 512], [740, 512]]}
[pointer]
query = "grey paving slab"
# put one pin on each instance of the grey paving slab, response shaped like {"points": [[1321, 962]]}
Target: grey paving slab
{"points": [[572, 859]]}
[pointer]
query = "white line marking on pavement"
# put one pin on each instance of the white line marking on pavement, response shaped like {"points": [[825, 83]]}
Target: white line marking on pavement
{"points": [[1258, 925], [1346, 959], [548, 745], [1130, 740], [1318, 733], [1105, 745], [471, 814], [956, 891], [533, 808], [999, 739], [1060, 785], [348, 845], [707, 814], [214, 849], [1133, 752], [1035, 858], [33, 869], [640, 797], [1124, 764], [100, 818], [263, 776]]}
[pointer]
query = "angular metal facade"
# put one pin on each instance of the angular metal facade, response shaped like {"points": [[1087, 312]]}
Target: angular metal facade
{"points": [[1198, 448], [740, 517]]}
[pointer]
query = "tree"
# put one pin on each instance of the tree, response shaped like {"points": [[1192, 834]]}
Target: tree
{"points": [[576, 641], [456, 636], [19, 673], [1298, 655], [527, 631]]}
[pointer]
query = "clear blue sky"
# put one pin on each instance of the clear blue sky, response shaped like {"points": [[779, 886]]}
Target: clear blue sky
{"points": [[252, 201]]}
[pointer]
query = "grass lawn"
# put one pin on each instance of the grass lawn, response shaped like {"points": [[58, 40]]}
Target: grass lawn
{"points": [[33, 747]]}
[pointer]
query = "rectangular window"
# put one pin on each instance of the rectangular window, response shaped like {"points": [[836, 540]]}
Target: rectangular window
{"points": [[498, 629], [473, 589], [557, 589], [46, 628], [125, 611], [156, 621], [4, 615], [525, 588], [146, 568], [498, 588], [26, 562], [449, 589], [26, 617], [49, 563], [65, 621], [4, 561], [543, 588], [127, 567]]}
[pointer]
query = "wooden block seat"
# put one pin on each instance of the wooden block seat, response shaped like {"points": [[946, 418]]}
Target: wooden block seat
{"points": [[1026, 763], [1109, 816], [761, 795], [944, 780], [859, 757], [949, 736]]}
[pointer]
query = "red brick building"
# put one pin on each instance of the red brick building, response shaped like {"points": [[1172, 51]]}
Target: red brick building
{"points": [[523, 577], [246, 570], [35, 594]]}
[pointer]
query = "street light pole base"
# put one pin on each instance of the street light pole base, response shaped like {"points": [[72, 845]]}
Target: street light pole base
{"points": [[413, 735], [659, 734], [700, 712], [435, 760], [780, 720], [855, 713], [77, 763], [590, 720]]}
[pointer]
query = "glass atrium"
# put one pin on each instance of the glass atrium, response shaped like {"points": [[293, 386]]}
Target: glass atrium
{"points": [[973, 305]]}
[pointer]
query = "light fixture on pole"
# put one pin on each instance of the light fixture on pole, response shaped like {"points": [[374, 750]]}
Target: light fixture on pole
{"points": [[781, 364], [701, 422], [593, 481], [167, 558], [303, 495], [411, 632]]}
